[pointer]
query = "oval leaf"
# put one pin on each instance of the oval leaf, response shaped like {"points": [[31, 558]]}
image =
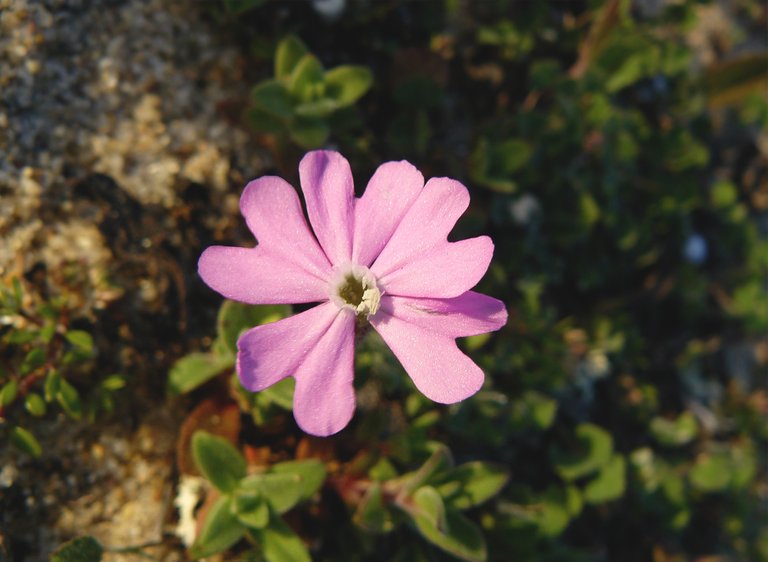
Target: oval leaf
{"points": [[25, 441], [221, 530], [346, 84], [218, 460]]}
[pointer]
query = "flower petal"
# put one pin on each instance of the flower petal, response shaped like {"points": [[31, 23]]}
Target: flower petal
{"points": [[446, 270], [272, 210], [469, 314], [258, 276], [269, 353], [316, 347], [427, 223], [388, 196], [324, 400], [326, 181], [433, 361]]}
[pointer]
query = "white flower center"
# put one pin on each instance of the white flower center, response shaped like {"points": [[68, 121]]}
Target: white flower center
{"points": [[354, 287]]}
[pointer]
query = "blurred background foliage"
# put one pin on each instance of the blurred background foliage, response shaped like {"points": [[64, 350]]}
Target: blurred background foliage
{"points": [[622, 171]]}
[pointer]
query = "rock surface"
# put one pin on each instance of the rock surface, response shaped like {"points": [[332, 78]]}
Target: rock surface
{"points": [[127, 92]]}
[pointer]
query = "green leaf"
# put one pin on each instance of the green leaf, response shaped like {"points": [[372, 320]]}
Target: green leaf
{"points": [[218, 460], [590, 210], [306, 76], [113, 382], [439, 461], [25, 441], [533, 410], [281, 544], [8, 392], [69, 399], [553, 510], [309, 132], [82, 340], [234, 318], [472, 483], [371, 514], [459, 536], [592, 450], [493, 163], [280, 394], [52, 384], [81, 549], [18, 291], [281, 490], [428, 504], [273, 97], [289, 52], [221, 529], [34, 359], [346, 84], [35, 404], [609, 484], [674, 433], [311, 472], [711, 473], [317, 108], [252, 509], [20, 336], [195, 369]]}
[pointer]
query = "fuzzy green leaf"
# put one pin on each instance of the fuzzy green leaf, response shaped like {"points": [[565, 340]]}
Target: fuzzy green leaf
{"points": [[195, 369], [218, 460], [311, 472], [346, 84], [306, 76], [281, 544], [273, 97], [220, 530], [592, 450], [281, 490], [234, 318], [472, 483], [458, 536], [252, 509], [289, 52], [371, 513]]}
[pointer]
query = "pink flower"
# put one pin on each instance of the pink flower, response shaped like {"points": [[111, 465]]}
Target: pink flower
{"points": [[383, 258]]}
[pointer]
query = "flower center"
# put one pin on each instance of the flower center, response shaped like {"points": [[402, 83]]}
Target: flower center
{"points": [[354, 287]]}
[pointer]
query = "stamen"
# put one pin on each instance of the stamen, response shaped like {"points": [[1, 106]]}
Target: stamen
{"points": [[354, 287]]}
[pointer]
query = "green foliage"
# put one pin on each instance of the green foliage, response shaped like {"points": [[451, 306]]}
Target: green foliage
{"points": [[219, 461], [591, 451], [196, 368], [45, 364], [302, 97], [250, 504], [622, 185], [81, 549]]}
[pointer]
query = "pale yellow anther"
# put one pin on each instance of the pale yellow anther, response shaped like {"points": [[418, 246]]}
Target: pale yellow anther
{"points": [[354, 287]]}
